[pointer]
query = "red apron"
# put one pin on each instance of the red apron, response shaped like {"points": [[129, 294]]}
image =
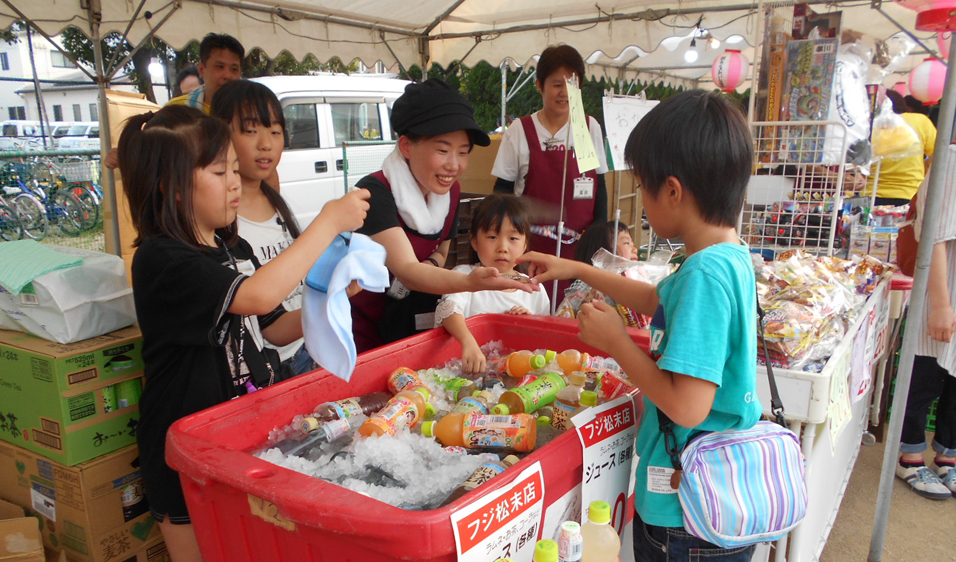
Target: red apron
{"points": [[368, 308], [543, 183]]}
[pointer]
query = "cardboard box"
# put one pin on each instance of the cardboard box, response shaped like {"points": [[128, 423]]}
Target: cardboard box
{"points": [[477, 178], [95, 511], [20, 535], [55, 399]]}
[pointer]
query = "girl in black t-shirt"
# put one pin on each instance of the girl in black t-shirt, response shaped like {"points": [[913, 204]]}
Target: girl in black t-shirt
{"points": [[203, 304]]}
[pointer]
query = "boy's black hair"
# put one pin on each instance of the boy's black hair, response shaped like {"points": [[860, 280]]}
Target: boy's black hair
{"points": [[252, 101], [701, 139], [492, 210], [220, 41], [557, 56], [600, 234]]}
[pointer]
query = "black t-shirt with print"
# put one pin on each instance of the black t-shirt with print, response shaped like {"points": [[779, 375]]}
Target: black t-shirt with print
{"points": [[182, 295]]}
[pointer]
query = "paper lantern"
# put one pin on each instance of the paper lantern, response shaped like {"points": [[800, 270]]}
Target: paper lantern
{"points": [[943, 39], [927, 80], [934, 15], [730, 70], [901, 89]]}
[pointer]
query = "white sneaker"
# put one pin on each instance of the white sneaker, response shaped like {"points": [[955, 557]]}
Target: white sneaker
{"points": [[924, 482], [948, 475]]}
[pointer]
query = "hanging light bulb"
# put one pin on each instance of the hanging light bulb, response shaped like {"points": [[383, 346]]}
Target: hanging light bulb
{"points": [[691, 54]]}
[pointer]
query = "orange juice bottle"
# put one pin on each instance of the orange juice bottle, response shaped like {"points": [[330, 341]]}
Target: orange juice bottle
{"points": [[448, 429], [403, 378], [528, 398], [518, 432], [571, 360], [517, 364], [403, 410]]}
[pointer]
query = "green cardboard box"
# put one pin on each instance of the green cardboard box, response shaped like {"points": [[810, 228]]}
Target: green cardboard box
{"points": [[94, 512], [60, 400]]}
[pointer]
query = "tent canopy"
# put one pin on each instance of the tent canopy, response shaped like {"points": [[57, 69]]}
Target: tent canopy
{"points": [[620, 38]]}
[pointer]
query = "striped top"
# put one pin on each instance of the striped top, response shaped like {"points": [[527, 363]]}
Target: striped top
{"points": [[945, 353]]}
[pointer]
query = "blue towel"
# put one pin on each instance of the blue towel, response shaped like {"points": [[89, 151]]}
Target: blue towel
{"points": [[25, 260], [326, 310]]}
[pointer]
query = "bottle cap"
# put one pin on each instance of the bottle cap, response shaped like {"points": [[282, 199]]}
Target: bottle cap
{"points": [[308, 425], [428, 429], [578, 378], [429, 410], [423, 391], [546, 551], [501, 410], [570, 528], [488, 397], [544, 420], [549, 355], [537, 361], [510, 460], [599, 512], [589, 398]]}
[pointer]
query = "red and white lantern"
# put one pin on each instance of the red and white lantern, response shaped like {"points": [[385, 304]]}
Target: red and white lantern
{"points": [[927, 81], [730, 70]]}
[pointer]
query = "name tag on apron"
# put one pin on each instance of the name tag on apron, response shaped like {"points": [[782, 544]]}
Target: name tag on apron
{"points": [[584, 188]]}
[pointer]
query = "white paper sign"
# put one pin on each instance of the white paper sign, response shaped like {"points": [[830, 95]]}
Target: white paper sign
{"points": [[583, 145], [504, 524], [607, 434], [621, 115]]}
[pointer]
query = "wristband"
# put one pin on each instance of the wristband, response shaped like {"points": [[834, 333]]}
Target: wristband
{"points": [[433, 260]]}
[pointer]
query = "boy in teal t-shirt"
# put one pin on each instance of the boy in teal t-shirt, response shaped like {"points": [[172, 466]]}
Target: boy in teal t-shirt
{"points": [[692, 155]]}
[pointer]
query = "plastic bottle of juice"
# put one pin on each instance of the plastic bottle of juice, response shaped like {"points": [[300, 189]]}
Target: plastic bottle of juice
{"points": [[570, 542], [601, 543], [460, 387], [324, 433], [447, 427], [571, 360], [517, 364], [518, 432], [367, 405], [545, 551], [528, 398], [481, 475], [402, 378], [567, 401], [403, 410]]}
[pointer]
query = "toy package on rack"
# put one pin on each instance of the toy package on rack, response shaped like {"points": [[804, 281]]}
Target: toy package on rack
{"points": [[808, 81]]}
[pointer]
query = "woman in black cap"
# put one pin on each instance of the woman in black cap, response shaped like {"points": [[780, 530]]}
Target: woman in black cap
{"points": [[413, 213]]}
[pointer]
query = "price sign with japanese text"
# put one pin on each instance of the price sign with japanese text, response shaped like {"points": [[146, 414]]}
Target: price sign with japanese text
{"points": [[584, 149], [607, 434], [505, 523]]}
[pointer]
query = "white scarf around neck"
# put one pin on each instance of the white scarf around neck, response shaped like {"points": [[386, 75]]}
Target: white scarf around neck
{"points": [[424, 217]]}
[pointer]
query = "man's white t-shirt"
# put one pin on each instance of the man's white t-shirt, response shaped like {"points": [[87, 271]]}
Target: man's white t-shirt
{"points": [[511, 164]]}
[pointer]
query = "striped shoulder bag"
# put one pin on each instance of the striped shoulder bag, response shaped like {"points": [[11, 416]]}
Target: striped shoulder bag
{"points": [[740, 487]]}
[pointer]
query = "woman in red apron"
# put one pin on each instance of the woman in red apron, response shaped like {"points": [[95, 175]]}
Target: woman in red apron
{"points": [[413, 213], [532, 156]]}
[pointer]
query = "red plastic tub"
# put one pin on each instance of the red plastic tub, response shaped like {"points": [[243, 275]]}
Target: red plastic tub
{"points": [[246, 509]]}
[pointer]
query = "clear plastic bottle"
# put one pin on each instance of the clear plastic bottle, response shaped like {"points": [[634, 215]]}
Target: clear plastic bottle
{"points": [[405, 409], [325, 433], [367, 405], [402, 378], [570, 542], [517, 364], [518, 432], [528, 398], [568, 400], [482, 474], [545, 551], [601, 543], [460, 387]]}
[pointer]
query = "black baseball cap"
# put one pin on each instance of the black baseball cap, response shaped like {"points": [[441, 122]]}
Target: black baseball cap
{"points": [[433, 108]]}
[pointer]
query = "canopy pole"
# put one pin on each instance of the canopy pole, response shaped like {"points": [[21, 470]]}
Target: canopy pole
{"points": [[111, 227], [41, 107], [931, 214], [504, 93]]}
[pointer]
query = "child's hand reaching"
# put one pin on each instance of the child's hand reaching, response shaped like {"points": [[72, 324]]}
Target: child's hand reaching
{"points": [[543, 267], [348, 212], [472, 359], [600, 326], [489, 279], [518, 311]]}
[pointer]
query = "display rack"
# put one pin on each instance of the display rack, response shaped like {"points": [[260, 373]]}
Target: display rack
{"points": [[798, 187]]}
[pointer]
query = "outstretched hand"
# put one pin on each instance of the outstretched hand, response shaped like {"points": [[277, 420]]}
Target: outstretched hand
{"points": [[545, 267], [490, 279]]}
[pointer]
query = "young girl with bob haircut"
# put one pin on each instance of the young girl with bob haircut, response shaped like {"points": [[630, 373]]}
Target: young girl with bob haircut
{"points": [[257, 124], [499, 234], [203, 305]]}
